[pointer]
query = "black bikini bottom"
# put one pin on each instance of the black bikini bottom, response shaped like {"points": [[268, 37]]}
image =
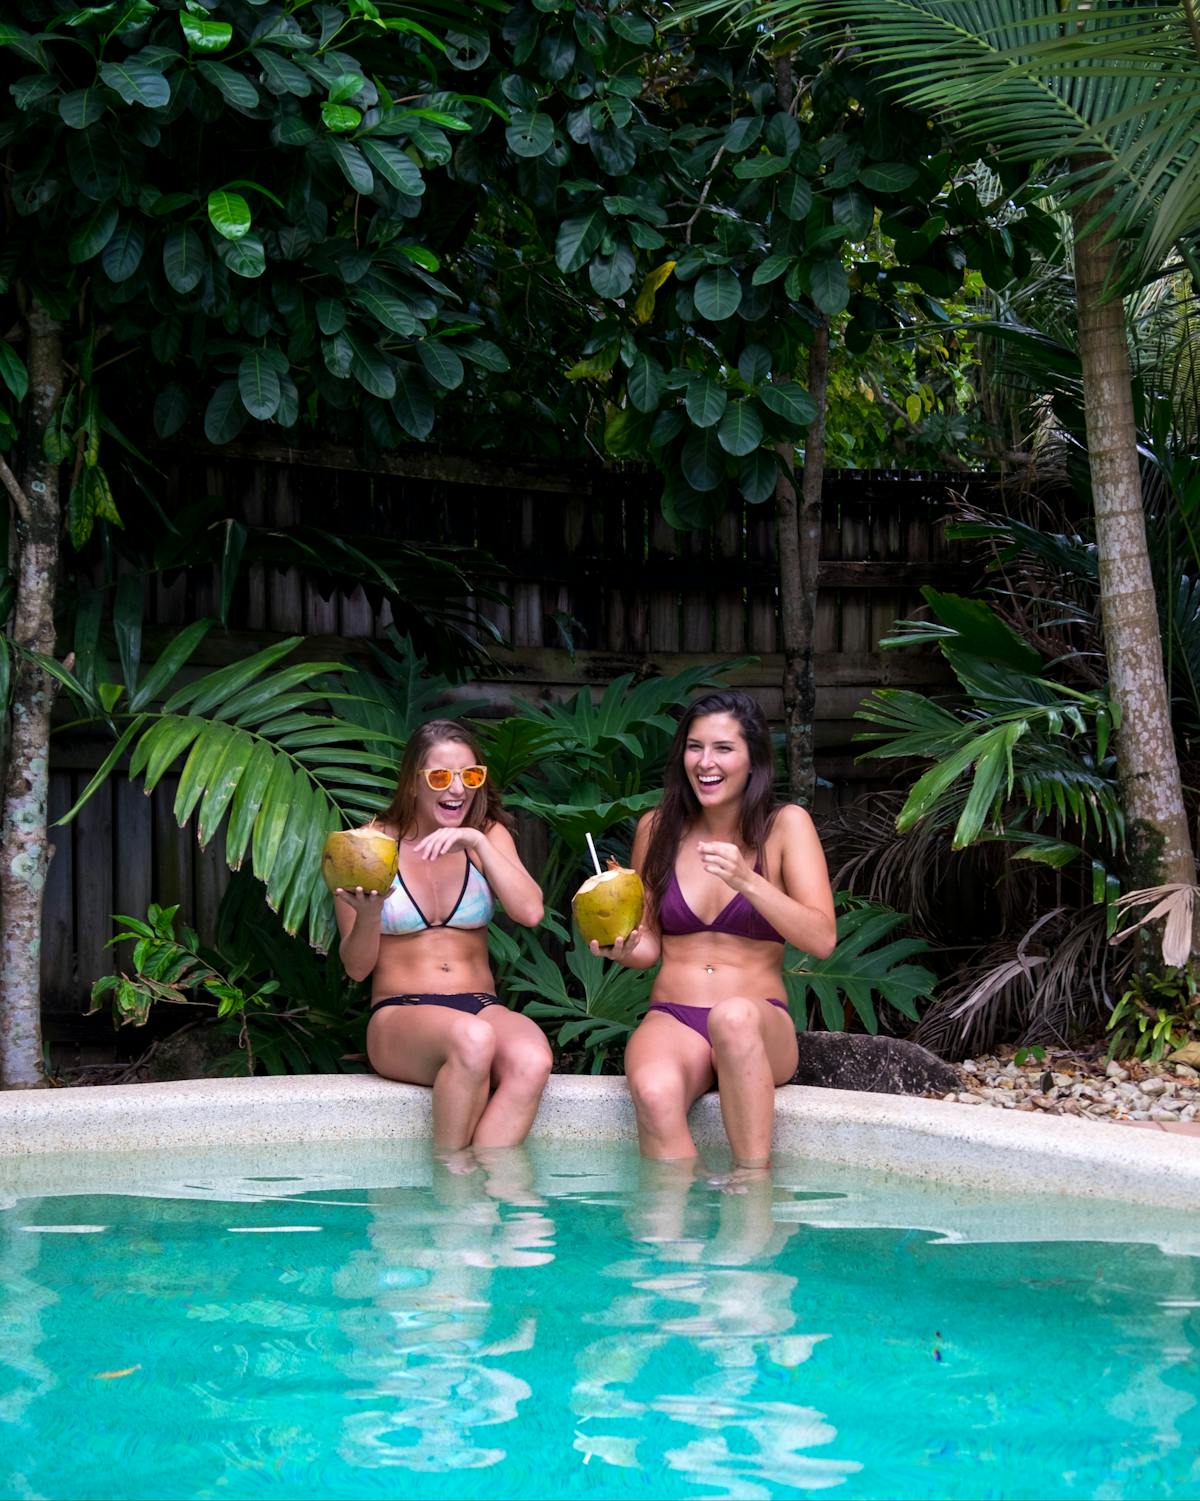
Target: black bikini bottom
{"points": [[472, 1001]]}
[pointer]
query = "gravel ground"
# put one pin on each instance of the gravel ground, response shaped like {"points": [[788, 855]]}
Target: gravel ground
{"points": [[1069, 1083]]}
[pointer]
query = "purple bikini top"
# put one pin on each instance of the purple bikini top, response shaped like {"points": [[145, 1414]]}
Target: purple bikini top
{"points": [[737, 916]]}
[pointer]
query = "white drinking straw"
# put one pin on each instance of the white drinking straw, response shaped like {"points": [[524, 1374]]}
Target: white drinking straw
{"points": [[595, 856]]}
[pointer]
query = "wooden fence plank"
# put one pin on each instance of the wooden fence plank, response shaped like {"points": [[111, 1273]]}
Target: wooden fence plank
{"points": [[132, 849], [94, 883], [58, 922]]}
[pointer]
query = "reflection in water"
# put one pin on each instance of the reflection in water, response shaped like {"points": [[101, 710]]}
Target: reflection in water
{"points": [[427, 1368], [708, 1324], [24, 1376]]}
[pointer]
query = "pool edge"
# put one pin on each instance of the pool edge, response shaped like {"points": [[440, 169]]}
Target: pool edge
{"points": [[959, 1145]]}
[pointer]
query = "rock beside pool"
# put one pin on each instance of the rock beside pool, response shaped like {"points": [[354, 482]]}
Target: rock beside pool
{"points": [[879, 1065], [190, 1053]]}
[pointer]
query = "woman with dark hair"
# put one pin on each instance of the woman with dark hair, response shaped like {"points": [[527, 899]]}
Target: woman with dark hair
{"points": [[435, 1018], [730, 876]]}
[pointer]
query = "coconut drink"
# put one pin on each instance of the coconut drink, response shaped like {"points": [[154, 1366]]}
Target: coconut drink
{"points": [[609, 906], [360, 857]]}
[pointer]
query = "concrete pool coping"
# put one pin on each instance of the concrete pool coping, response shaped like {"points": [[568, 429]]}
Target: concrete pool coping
{"points": [[968, 1146]]}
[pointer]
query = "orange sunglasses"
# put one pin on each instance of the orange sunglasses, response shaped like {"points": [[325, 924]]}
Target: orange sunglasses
{"points": [[439, 778]]}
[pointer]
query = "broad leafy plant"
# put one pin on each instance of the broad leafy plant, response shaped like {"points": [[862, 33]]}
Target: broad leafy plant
{"points": [[587, 1005], [591, 767], [283, 1008], [275, 755], [863, 970], [1035, 751]]}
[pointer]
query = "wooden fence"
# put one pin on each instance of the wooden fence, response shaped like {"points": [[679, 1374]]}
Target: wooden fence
{"points": [[589, 549]]}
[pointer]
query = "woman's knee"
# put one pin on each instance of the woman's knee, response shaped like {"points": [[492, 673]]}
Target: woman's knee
{"points": [[658, 1093], [735, 1026], [472, 1047], [526, 1065]]}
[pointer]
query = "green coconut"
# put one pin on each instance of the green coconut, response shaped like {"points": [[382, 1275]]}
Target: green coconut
{"points": [[360, 857], [609, 906]]}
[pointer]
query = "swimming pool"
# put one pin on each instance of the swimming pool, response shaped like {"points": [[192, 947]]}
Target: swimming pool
{"points": [[355, 1321]]}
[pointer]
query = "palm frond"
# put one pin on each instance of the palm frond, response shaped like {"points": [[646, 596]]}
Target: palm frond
{"points": [[265, 758], [1173, 905], [1055, 978], [1109, 91]]}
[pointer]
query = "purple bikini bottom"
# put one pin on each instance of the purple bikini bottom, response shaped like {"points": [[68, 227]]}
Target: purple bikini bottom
{"points": [[696, 1017]]}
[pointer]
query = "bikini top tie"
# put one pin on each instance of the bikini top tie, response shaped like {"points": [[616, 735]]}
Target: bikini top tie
{"points": [[738, 916]]}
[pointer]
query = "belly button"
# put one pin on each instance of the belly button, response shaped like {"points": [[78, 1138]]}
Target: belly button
{"points": [[708, 969]]}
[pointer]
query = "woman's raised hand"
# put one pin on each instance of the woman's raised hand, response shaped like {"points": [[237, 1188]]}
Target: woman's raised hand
{"points": [[726, 861], [621, 949], [443, 841]]}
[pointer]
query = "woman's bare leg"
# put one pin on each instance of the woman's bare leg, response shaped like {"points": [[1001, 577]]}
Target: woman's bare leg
{"points": [[754, 1049], [436, 1045], [520, 1067], [667, 1067]]}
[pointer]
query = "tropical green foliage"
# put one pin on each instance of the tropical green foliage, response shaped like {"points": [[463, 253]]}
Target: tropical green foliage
{"points": [[282, 1007], [1110, 91], [720, 204], [588, 1006], [858, 972], [238, 194], [1158, 1014], [1037, 750], [265, 759]]}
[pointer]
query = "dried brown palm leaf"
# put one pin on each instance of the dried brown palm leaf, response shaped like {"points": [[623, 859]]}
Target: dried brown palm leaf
{"points": [[1175, 901], [1055, 978]]}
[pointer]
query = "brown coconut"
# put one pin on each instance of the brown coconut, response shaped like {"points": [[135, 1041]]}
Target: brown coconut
{"points": [[609, 906], [360, 857]]}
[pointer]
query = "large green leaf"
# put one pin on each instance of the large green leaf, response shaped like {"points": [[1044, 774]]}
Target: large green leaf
{"points": [[137, 83], [858, 972], [258, 385], [718, 294], [740, 430], [183, 260], [394, 165], [229, 214], [705, 402], [81, 108], [578, 237]]}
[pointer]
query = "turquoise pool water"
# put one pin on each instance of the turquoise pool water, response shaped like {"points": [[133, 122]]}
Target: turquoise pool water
{"points": [[357, 1323]]}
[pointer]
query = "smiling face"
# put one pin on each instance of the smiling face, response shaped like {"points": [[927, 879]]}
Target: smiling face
{"points": [[716, 760], [447, 809]]}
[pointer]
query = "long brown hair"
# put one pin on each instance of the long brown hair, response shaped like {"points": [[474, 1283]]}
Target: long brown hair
{"points": [[486, 807], [680, 806]]}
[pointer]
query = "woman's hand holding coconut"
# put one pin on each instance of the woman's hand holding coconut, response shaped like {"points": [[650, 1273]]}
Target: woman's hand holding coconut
{"points": [[730, 878], [422, 937]]}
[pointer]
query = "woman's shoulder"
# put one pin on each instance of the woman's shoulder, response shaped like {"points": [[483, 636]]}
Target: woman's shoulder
{"points": [[789, 820], [379, 826]]}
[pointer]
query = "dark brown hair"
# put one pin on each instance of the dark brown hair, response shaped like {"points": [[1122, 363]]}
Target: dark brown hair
{"points": [[680, 806], [486, 807]]}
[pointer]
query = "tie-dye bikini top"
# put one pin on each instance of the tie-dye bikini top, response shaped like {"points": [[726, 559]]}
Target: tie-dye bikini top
{"points": [[473, 909]]}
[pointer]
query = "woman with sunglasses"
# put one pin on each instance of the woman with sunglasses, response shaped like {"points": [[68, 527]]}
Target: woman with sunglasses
{"points": [[435, 1018], [730, 876]]}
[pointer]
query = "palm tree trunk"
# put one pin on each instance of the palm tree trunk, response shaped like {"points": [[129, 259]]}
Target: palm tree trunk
{"points": [[24, 848], [1159, 841], [799, 529]]}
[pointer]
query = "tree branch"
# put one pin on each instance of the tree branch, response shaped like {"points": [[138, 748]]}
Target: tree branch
{"points": [[19, 498], [712, 172]]}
